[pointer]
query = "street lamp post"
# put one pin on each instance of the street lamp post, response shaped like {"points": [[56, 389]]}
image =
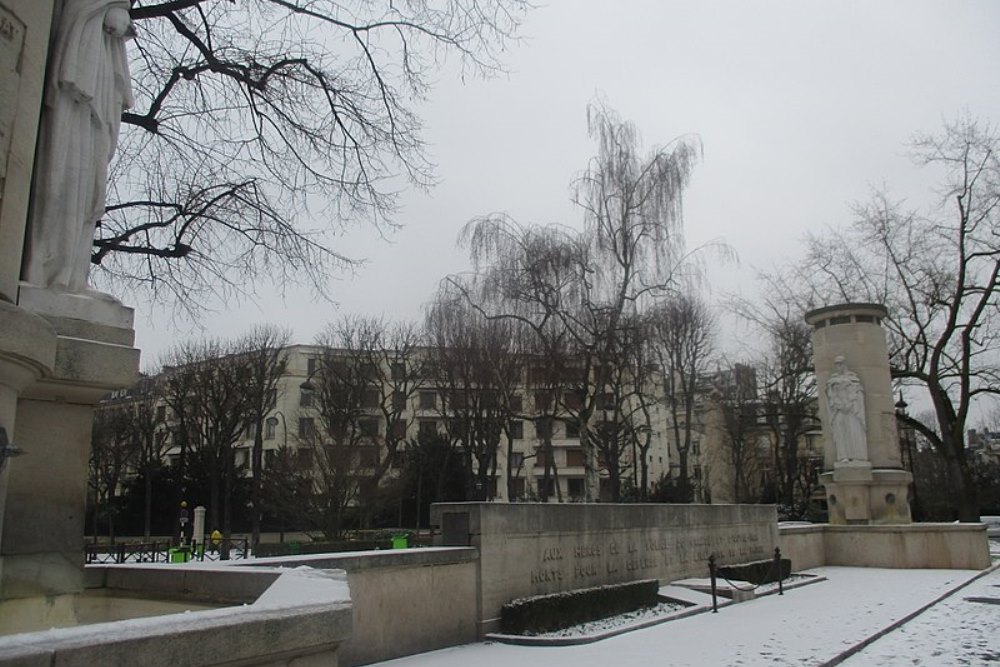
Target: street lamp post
{"points": [[907, 448]]}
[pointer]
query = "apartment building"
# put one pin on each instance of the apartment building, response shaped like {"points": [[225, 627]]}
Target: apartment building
{"points": [[427, 408]]}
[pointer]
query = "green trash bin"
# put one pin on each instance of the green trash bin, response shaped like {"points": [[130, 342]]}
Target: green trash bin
{"points": [[294, 548], [179, 555], [399, 541]]}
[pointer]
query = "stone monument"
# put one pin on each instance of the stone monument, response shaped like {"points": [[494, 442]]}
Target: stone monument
{"points": [[63, 85], [864, 479]]}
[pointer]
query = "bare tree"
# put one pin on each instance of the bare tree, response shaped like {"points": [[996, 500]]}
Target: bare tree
{"points": [[370, 372], [112, 451], [683, 331], [579, 289], [937, 272], [249, 115], [475, 370], [263, 359], [148, 430], [204, 387], [734, 397]]}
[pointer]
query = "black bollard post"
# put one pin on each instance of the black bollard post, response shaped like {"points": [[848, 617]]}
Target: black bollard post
{"points": [[711, 573], [781, 576]]}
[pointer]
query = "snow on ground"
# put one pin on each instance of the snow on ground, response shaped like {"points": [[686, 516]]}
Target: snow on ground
{"points": [[806, 626], [956, 631]]}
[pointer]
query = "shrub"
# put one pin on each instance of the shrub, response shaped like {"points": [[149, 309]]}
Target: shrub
{"points": [[545, 613], [757, 572]]}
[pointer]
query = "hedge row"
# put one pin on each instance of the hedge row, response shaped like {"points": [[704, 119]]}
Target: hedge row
{"points": [[757, 572], [545, 613]]}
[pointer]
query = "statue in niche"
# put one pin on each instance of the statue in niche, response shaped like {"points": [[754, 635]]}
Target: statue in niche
{"points": [[87, 88], [845, 398]]}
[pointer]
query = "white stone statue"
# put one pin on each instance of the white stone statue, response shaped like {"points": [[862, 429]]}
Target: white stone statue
{"points": [[845, 398], [86, 90]]}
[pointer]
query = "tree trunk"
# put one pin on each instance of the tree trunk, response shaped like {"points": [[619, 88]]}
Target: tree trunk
{"points": [[963, 486], [256, 468], [147, 509]]}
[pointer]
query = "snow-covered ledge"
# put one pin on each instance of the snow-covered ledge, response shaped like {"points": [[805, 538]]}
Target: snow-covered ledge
{"points": [[304, 614]]}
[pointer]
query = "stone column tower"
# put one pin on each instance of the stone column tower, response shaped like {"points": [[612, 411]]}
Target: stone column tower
{"points": [[60, 352], [866, 483]]}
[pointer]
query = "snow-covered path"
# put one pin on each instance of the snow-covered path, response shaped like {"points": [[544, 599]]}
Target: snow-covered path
{"points": [[956, 631], [807, 626]]}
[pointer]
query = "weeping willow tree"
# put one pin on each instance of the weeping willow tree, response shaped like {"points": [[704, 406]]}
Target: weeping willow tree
{"points": [[578, 291]]}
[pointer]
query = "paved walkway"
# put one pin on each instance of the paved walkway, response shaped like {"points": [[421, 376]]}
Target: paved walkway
{"points": [[819, 624]]}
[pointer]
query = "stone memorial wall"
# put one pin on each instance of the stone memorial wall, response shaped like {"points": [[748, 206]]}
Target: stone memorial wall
{"points": [[531, 549]]}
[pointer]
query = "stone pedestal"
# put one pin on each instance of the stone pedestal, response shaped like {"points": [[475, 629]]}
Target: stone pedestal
{"points": [[43, 519], [858, 494]]}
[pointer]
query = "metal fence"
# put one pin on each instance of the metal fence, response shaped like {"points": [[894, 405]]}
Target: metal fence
{"points": [[232, 548]]}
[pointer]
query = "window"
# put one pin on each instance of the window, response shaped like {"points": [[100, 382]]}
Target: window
{"points": [[516, 460], [268, 457], [607, 401], [697, 472], [574, 457], [398, 371], [161, 413], [516, 403], [251, 431], [572, 429], [311, 365], [269, 425], [427, 428], [516, 429], [428, 400], [543, 401], [695, 449], [306, 398], [307, 427], [543, 428], [574, 487], [368, 427], [540, 459], [516, 488], [398, 401], [399, 429]]}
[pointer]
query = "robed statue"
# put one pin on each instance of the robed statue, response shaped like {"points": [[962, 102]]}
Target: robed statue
{"points": [[87, 88], [845, 397]]}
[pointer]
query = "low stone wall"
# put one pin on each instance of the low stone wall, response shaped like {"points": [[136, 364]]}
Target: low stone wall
{"points": [[534, 548], [805, 546], [404, 601], [301, 618], [918, 545]]}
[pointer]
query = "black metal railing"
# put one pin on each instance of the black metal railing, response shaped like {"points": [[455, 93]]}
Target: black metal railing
{"points": [[231, 548], [775, 571], [126, 552]]}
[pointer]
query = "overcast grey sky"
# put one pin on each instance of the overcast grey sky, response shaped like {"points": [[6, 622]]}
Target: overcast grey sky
{"points": [[801, 106]]}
